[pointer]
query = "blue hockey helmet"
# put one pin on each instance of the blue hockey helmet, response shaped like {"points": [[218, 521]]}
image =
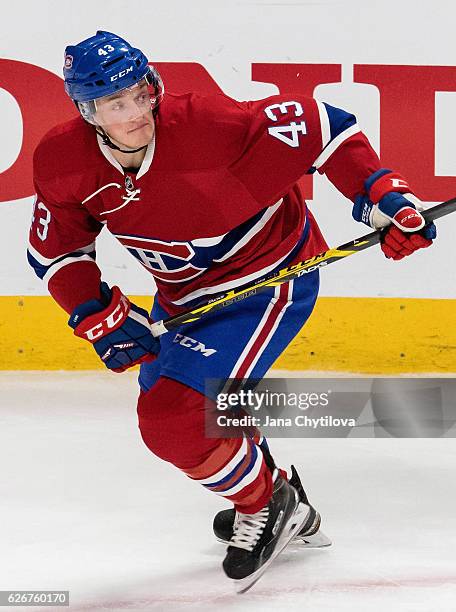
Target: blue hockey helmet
{"points": [[102, 65], [111, 82]]}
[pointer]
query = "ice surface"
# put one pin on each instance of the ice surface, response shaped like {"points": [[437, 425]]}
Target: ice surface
{"points": [[85, 507]]}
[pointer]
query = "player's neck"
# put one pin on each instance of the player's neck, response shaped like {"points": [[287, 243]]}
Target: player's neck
{"points": [[129, 160]]}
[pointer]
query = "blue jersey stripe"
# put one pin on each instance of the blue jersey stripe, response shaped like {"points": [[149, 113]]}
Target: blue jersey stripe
{"points": [[339, 120]]}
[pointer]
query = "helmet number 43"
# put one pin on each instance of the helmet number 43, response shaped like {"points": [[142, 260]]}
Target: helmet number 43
{"points": [[289, 133], [105, 50]]}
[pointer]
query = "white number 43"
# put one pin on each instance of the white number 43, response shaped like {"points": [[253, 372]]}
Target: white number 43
{"points": [[289, 134], [105, 50]]}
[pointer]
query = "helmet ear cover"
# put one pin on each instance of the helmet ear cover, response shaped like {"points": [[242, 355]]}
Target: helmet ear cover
{"points": [[87, 110]]}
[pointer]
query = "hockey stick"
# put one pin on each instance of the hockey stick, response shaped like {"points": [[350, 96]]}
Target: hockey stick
{"points": [[289, 273]]}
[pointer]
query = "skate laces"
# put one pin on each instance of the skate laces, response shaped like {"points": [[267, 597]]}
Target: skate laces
{"points": [[248, 528]]}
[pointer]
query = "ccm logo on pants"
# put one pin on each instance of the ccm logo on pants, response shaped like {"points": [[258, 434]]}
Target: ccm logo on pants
{"points": [[194, 345]]}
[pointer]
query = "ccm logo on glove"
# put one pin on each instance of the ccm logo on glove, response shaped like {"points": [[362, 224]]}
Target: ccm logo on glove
{"points": [[112, 321]]}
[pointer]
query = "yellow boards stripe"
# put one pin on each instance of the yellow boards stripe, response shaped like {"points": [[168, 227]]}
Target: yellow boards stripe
{"points": [[366, 335]]}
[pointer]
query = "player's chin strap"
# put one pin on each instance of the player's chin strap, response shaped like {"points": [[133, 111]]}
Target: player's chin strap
{"points": [[108, 142]]}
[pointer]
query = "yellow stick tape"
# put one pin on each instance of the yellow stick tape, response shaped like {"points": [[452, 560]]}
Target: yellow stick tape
{"points": [[366, 335]]}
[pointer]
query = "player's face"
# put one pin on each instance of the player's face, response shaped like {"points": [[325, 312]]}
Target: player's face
{"points": [[127, 116], [133, 134]]}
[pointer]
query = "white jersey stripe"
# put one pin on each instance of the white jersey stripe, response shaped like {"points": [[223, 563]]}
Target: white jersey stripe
{"points": [[247, 479], [270, 211], [46, 261], [255, 334], [207, 242], [324, 124], [232, 284], [335, 144], [273, 330]]}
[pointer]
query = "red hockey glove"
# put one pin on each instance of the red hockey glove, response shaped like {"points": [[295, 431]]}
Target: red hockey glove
{"points": [[397, 244], [119, 330], [389, 204]]}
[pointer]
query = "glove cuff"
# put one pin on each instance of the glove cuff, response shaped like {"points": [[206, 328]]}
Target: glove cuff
{"points": [[385, 181]]}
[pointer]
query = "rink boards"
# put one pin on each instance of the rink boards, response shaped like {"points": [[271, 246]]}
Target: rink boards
{"points": [[366, 335]]}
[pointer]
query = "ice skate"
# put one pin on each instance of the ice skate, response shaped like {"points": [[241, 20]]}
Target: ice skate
{"points": [[258, 538], [309, 536]]}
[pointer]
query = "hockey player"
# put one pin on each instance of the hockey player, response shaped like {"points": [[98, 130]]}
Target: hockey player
{"points": [[202, 191]]}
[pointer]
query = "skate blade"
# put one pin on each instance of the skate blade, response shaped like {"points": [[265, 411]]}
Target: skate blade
{"points": [[296, 521], [317, 540]]}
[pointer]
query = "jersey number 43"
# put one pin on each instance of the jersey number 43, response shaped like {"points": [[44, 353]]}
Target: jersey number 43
{"points": [[289, 133]]}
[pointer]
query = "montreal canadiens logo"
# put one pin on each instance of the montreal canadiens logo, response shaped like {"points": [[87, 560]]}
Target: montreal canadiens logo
{"points": [[68, 61], [171, 262]]}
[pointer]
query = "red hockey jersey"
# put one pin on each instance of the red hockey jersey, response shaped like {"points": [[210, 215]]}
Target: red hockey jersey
{"points": [[214, 205]]}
